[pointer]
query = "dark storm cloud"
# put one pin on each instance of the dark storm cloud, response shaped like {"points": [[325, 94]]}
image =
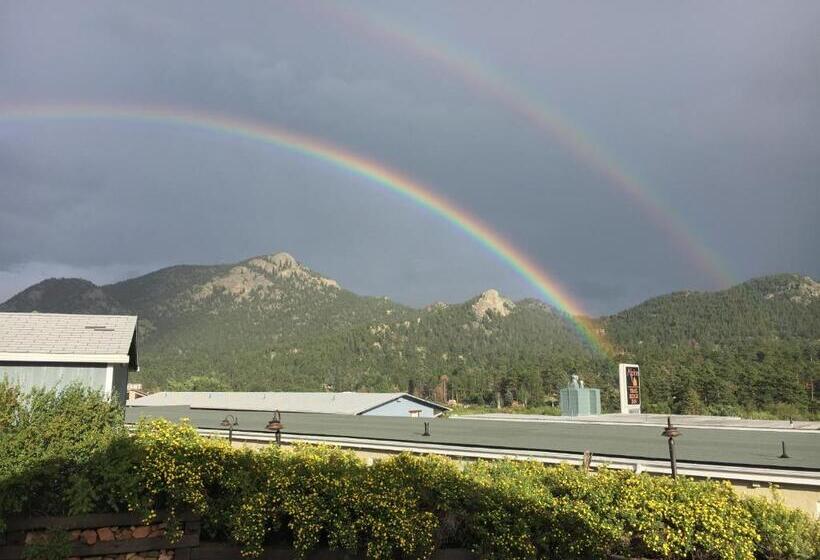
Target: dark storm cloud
{"points": [[713, 108]]}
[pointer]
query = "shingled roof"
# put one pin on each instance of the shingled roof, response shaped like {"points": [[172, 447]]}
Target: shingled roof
{"points": [[56, 337]]}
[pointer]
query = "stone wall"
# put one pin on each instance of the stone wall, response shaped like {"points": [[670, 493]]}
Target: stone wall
{"points": [[91, 537], [118, 536]]}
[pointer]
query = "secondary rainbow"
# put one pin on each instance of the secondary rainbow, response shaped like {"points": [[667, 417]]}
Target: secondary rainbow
{"points": [[492, 83], [322, 150]]}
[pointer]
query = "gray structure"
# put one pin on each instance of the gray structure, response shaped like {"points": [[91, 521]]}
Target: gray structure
{"points": [[577, 400], [51, 350], [357, 404]]}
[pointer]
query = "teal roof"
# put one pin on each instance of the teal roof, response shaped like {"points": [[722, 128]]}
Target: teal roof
{"points": [[752, 448]]}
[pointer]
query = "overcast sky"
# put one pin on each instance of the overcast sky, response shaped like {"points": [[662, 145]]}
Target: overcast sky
{"points": [[713, 107]]}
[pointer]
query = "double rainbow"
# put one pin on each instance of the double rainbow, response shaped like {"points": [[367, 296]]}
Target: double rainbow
{"points": [[324, 151], [491, 83]]}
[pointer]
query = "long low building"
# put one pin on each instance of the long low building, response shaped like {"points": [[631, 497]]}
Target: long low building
{"points": [[750, 459], [357, 404]]}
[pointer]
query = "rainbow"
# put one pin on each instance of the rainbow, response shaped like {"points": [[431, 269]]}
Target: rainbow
{"points": [[324, 151], [492, 83]]}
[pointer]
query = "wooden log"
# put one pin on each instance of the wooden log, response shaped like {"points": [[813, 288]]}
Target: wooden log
{"points": [[15, 537], [109, 548], [11, 552], [228, 551], [88, 521], [133, 545]]}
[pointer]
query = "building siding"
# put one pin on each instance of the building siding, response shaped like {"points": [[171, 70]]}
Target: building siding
{"points": [[53, 375]]}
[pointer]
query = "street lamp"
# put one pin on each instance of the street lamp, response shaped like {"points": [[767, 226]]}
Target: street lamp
{"points": [[671, 432], [229, 422], [275, 425]]}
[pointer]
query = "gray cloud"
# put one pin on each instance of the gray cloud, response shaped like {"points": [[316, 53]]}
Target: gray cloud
{"points": [[713, 108]]}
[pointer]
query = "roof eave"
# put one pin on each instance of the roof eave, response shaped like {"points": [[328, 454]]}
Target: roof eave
{"points": [[65, 358]]}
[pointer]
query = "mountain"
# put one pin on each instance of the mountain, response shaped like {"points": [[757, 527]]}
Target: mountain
{"points": [[271, 323], [64, 295]]}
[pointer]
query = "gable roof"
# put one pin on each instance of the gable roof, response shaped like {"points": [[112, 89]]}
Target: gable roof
{"points": [[57, 337], [334, 403]]}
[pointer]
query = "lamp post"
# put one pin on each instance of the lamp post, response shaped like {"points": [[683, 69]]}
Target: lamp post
{"points": [[671, 432], [275, 425], [230, 421]]}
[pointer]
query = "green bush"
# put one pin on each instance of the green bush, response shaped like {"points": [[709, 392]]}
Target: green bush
{"points": [[402, 507], [50, 443]]}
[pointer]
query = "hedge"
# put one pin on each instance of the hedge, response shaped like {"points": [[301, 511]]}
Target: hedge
{"points": [[402, 507]]}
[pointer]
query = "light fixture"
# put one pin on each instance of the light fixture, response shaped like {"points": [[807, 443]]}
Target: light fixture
{"points": [[275, 425], [230, 421], [671, 432]]}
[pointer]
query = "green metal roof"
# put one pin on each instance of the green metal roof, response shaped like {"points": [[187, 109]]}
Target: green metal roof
{"points": [[751, 448]]}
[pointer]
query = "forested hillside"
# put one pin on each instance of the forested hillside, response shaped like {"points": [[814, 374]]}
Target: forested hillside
{"points": [[755, 346], [269, 323]]}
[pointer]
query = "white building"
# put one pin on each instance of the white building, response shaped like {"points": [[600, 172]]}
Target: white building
{"points": [[53, 350], [358, 404]]}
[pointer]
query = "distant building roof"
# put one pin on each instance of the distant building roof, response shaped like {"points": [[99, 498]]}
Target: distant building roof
{"points": [[57, 337], [335, 403]]}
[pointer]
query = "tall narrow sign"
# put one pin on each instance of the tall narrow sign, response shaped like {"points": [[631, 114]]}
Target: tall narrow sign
{"points": [[630, 383]]}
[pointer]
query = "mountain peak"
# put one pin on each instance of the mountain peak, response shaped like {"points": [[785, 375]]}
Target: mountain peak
{"points": [[274, 263], [282, 260], [492, 301]]}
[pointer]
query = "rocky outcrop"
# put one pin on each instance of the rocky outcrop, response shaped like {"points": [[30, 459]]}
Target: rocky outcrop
{"points": [[262, 273], [492, 302], [798, 289], [283, 265], [239, 282]]}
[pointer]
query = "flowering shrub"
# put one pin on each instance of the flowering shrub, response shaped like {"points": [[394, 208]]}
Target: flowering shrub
{"points": [[407, 506]]}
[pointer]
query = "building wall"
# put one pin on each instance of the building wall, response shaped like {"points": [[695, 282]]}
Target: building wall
{"points": [[806, 498], [402, 407], [580, 401], [55, 375], [120, 383]]}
